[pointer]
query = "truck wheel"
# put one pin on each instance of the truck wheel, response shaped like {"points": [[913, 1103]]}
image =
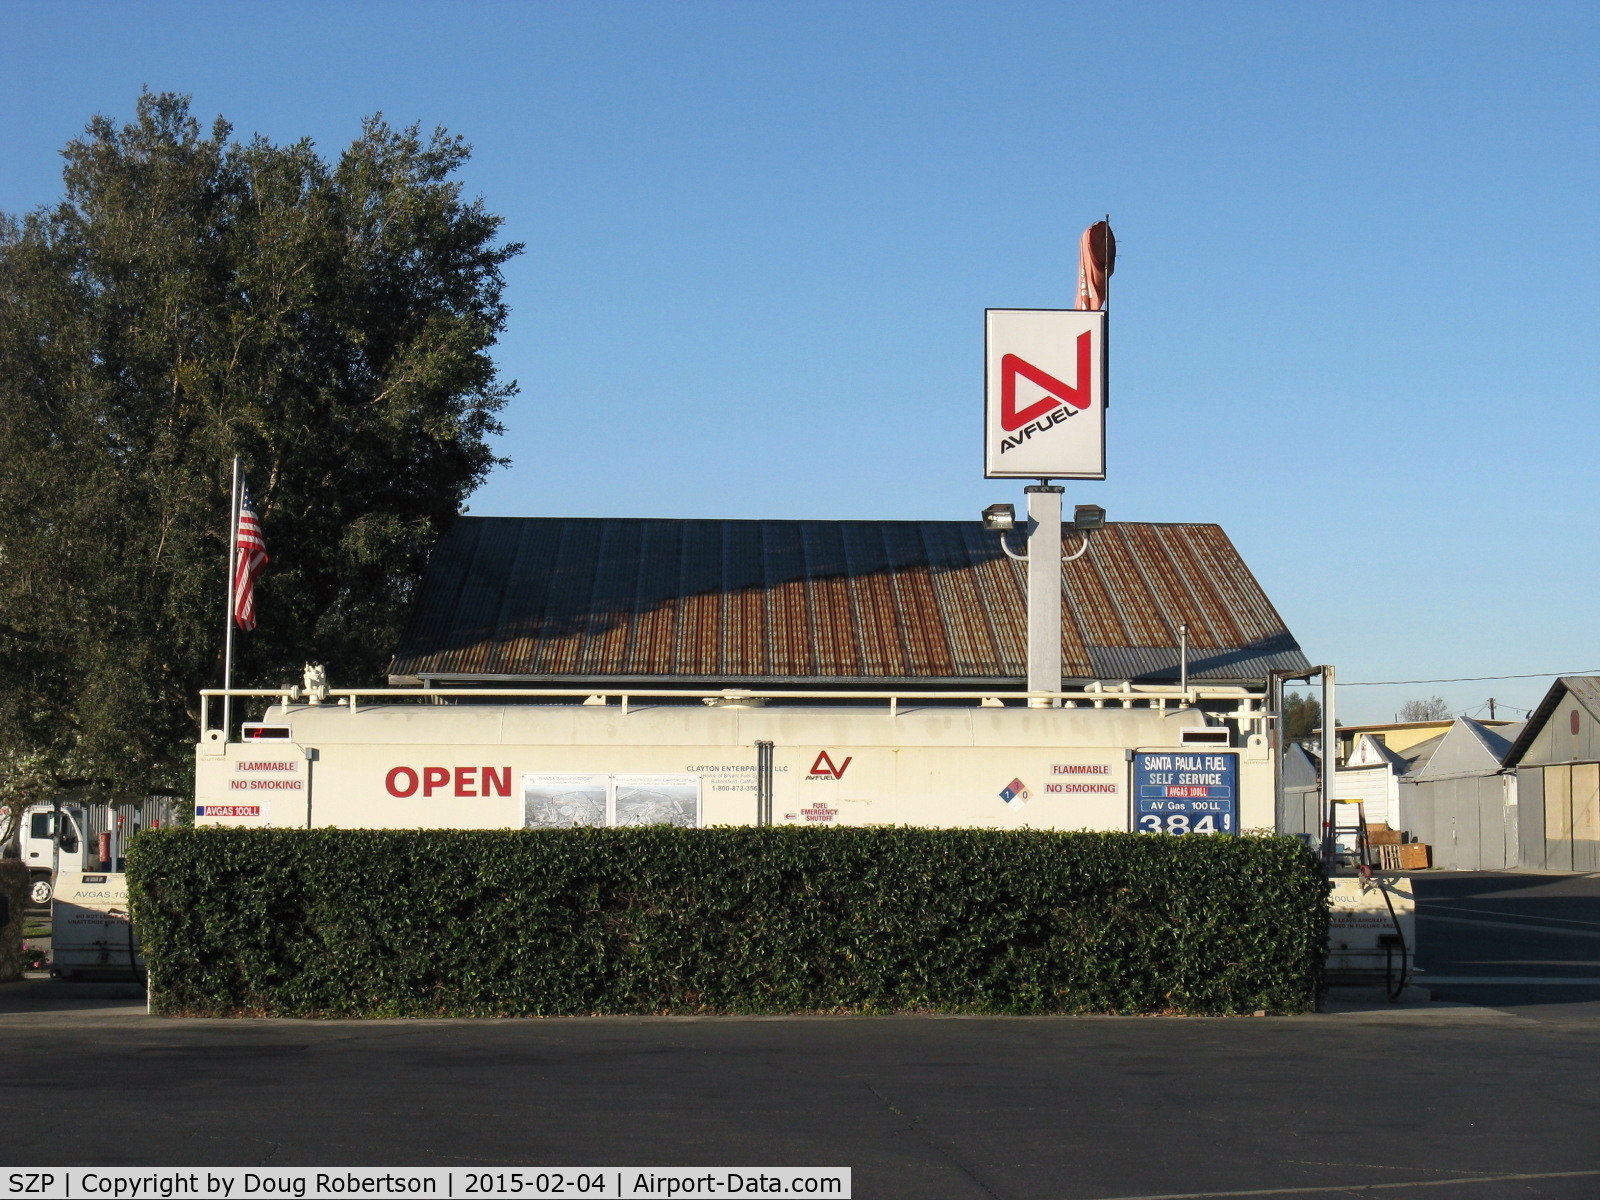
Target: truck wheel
{"points": [[40, 891]]}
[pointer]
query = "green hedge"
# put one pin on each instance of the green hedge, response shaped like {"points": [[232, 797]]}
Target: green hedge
{"points": [[370, 923], [14, 883]]}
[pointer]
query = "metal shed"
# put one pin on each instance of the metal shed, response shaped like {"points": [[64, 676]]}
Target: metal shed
{"points": [[1557, 763], [1458, 800], [1368, 776], [1299, 808]]}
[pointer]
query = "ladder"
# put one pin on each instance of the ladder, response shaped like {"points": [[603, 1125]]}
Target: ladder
{"points": [[1332, 829], [1392, 943]]}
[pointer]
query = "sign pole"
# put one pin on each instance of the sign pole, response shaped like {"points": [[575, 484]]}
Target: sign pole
{"points": [[1330, 750], [227, 604], [1044, 591]]}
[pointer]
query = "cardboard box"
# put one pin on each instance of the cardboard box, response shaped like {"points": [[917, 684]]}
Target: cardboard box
{"points": [[1415, 856], [1379, 834]]}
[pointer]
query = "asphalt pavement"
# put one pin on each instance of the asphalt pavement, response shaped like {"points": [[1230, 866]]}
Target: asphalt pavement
{"points": [[1450, 1099], [1526, 943]]}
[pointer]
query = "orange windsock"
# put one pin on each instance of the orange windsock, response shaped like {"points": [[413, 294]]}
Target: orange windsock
{"points": [[1097, 257]]}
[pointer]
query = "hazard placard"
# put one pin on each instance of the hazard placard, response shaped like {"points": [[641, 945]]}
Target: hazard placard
{"points": [[1045, 374]]}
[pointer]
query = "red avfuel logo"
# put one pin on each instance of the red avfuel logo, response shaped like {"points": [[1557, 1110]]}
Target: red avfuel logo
{"points": [[1059, 393], [824, 768]]}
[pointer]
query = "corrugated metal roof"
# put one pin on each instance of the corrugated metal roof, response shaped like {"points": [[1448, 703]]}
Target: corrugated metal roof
{"points": [[1467, 749], [1497, 740], [578, 600], [1414, 759]]}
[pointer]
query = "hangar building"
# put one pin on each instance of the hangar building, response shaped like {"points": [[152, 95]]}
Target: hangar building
{"points": [[1556, 758]]}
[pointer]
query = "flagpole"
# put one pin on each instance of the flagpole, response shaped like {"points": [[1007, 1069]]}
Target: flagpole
{"points": [[227, 607], [1105, 288], [1105, 302]]}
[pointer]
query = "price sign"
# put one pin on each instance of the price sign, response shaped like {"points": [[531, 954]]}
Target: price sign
{"points": [[1180, 792]]}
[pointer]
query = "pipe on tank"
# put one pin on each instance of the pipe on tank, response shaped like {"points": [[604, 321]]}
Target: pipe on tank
{"points": [[763, 783]]}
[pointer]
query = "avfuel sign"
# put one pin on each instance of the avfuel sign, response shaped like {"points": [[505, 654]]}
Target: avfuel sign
{"points": [[1045, 396]]}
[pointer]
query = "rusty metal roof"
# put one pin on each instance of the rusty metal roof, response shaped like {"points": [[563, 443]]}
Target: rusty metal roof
{"points": [[576, 600]]}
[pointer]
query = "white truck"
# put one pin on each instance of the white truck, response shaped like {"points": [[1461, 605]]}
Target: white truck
{"points": [[78, 836]]}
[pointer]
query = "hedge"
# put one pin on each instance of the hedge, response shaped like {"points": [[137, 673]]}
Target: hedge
{"points": [[14, 881], [424, 923]]}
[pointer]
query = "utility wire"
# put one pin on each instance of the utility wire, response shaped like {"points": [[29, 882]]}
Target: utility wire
{"points": [[1469, 678]]}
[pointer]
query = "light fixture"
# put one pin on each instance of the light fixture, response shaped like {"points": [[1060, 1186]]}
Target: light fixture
{"points": [[1000, 518], [1088, 516]]}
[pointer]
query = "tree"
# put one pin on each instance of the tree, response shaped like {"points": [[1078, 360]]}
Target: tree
{"points": [[192, 298], [1302, 714], [1432, 709]]}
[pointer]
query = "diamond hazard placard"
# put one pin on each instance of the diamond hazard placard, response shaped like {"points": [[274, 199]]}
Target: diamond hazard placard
{"points": [[1015, 790], [1044, 414]]}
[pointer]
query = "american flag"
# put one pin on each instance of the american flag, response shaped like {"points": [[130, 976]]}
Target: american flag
{"points": [[252, 556]]}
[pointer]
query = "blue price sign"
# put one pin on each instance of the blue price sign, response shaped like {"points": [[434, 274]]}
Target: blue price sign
{"points": [[1176, 792]]}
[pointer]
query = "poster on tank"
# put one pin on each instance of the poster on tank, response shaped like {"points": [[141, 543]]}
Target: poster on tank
{"points": [[552, 801], [1045, 394], [1185, 792], [657, 800]]}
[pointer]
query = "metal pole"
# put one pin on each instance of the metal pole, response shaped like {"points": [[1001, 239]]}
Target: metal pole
{"points": [[1330, 746], [763, 783], [1105, 307], [55, 857], [1044, 591], [1276, 727], [1183, 658], [227, 604], [1105, 284]]}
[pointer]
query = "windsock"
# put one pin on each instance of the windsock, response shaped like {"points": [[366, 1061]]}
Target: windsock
{"points": [[1097, 257]]}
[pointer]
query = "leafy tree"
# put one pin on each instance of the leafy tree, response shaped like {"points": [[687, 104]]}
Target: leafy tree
{"points": [[1432, 709], [1302, 714], [192, 298]]}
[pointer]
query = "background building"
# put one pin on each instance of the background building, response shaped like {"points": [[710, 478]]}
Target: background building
{"points": [[1457, 798], [1556, 758]]}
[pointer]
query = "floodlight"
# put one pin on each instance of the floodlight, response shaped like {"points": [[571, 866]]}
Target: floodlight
{"points": [[1088, 516], [1000, 518]]}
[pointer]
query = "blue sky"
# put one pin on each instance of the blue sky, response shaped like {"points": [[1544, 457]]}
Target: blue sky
{"points": [[1354, 314]]}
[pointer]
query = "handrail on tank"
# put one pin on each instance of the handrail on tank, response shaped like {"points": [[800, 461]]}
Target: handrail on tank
{"points": [[1095, 695]]}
